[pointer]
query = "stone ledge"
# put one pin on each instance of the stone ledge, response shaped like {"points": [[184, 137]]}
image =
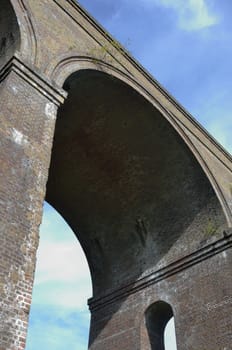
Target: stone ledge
{"points": [[178, 266], [15, 64]]}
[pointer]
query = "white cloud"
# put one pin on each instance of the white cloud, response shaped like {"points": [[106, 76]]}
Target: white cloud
{"points": [[61, 261], [62, 286], [72, 296], [62, 276], [191, 14]]}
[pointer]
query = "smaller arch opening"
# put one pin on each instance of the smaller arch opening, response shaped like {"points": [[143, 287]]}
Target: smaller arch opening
{"points": [[159, 321]]}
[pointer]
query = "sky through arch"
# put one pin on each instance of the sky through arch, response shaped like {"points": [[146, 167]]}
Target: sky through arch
{"points": [[59, 317]]}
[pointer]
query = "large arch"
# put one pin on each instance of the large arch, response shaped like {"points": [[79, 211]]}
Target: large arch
{"points": [[126, 182], [68, 65]]}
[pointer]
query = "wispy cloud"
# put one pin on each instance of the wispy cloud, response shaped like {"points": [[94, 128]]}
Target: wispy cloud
{"points": [[57, 329], [59, 261], [62, 269], [62, 285], [191, 14]]}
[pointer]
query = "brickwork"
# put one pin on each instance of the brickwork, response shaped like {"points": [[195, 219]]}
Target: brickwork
{"points": [[202, 312], [146, 190], [27, 120]]}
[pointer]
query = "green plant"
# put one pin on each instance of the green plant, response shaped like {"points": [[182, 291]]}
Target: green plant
{"points": [[210, 228], [107, 52]]}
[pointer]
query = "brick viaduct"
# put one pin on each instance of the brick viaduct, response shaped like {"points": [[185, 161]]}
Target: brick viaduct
{"points": [[145, 188]]}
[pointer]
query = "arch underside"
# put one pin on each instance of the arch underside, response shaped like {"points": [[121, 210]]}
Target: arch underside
{"points": [[126, 182], [156, 319], [9, 32]]}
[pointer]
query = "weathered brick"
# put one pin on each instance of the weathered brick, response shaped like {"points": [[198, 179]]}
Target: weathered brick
{"points": [[144, 187]]}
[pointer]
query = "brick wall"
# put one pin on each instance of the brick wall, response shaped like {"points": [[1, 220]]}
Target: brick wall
{"points": [[27, 122]]}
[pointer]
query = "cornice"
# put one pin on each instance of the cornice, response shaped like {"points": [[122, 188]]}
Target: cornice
{"points": [[34, 78], [169, 270]]}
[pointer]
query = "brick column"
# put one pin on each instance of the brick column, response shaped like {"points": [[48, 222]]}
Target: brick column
{"points": [[28, 108]]}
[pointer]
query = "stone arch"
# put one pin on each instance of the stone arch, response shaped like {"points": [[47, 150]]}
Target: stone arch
{"points": [[156, 319], [69, 65], [125, 181], [28, 50], [17, 32]]}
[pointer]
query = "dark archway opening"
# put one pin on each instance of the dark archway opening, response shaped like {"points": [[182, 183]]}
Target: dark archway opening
{"points": [[126, 183], [9, 32], [157, 317]]}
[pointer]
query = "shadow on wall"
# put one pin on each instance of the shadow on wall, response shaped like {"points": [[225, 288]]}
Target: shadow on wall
{"points": [[10, 34]]}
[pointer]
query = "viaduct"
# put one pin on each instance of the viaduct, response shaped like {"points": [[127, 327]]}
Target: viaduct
{"points": [[147, 191]]}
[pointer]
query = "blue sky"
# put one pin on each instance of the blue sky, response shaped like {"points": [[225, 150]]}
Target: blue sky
{"points": [[187, 46], [59, 316]]}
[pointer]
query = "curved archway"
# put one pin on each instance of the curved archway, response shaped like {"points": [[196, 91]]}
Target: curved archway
{"points": [[10, 32], [126, 182], [157, 317], [69, 65]]}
